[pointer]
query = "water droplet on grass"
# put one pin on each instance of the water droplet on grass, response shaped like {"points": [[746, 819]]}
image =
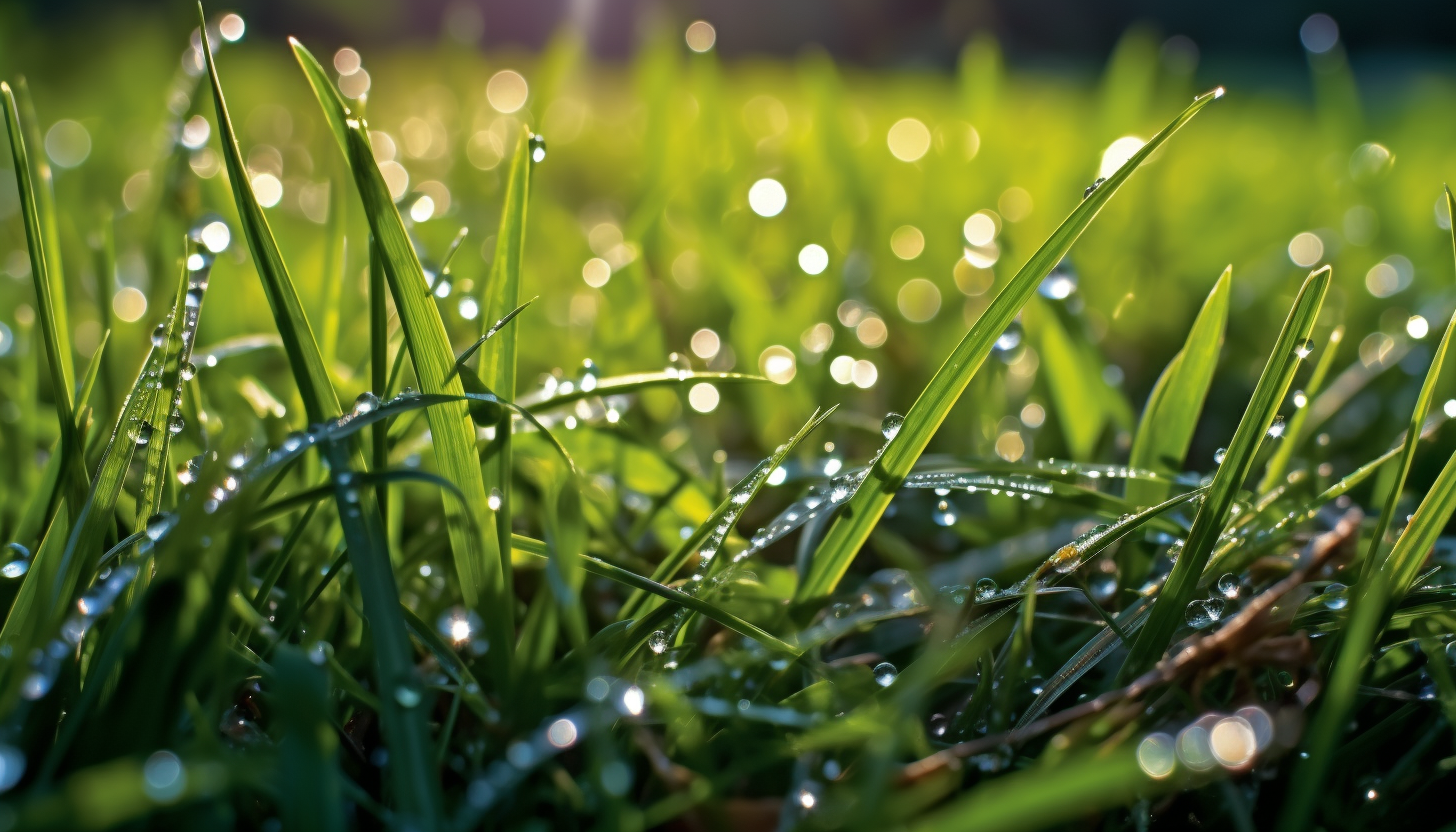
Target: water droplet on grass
{"points": [[1228, 585], [1335, 597], [538, 148], [1304, 348], [885, 674], [1218, 456], [1093, 187], [1204, 612], [891, 424], [366, 403], [657, 642], [986, 588], [408, 696]]}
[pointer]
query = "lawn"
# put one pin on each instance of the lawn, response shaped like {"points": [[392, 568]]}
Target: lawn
{"points": [[436, 439]]}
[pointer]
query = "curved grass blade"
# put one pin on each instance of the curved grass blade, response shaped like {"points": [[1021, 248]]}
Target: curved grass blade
{"points": [[1166, 428], [43, 191], [415, 786], [1294, 432], [1290, 348], [480, 562], [465, 355], [1019, 801], [1383, 582], [49, 300], [500, 294], [622, 385], [853, 526], [712, 531], [1089, 656]]}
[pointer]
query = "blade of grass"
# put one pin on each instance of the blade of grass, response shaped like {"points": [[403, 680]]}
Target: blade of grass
{"points": [[1080, 414], [480, 563], [51, 308], [500, 294], [43, 189], [1166, 428], [726, 512], [1383, 582], [852, 528], [1294, 431], [1290, 348], [415, 785]]}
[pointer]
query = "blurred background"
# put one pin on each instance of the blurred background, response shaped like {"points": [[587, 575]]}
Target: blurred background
{"points": [[825, 192]]}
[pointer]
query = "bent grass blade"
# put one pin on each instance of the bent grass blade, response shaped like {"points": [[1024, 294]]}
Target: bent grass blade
{"points": [[1291, 347], [859, 517]]}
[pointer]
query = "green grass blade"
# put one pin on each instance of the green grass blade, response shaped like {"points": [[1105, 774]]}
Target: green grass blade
{"points": [[1383, 582], [1080, 414], [500, 295], [44, 191], [378, 365], [727, 512], [621, 385], [1166, 428], [1083, 786], [480, 561], [415, 785], [50, 307], [308, 767], [1291, 347], [852, 528], [1294, 432], [477, 561]]}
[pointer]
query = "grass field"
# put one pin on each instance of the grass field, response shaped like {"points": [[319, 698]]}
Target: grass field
{"points": [[437, 440]]}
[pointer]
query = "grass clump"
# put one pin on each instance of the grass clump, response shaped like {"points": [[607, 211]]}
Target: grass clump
{"points": [[236, 601]]}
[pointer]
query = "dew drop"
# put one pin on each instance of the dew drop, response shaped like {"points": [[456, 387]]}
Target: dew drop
{"points": [[1304, 348], [188, 371], [1228, 585], [1204, 612], [1093, 187], [159, 335], [891, 424], [986, 589], [943, 515], [538, 148], [407, 696], [493, 502], [366, 403], [15, 568], [1276, 428], [1218, 456], [885, 674], [1335, 597], [176, 423], [657, 642]]}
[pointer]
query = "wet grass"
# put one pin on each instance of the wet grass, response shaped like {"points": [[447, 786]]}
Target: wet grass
{"points": [[328, 559]]}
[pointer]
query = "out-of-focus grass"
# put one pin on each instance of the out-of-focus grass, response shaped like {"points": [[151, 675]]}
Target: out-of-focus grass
{"points": [[254, 623]]}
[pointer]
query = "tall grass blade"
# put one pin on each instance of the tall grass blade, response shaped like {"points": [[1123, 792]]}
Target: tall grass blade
{"points": [[1294, 432], [1292, 346], [415, 785], [1166, 428], [42, 184], [479, 561], [1383, 582], [852, 528], [50, 303]]}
